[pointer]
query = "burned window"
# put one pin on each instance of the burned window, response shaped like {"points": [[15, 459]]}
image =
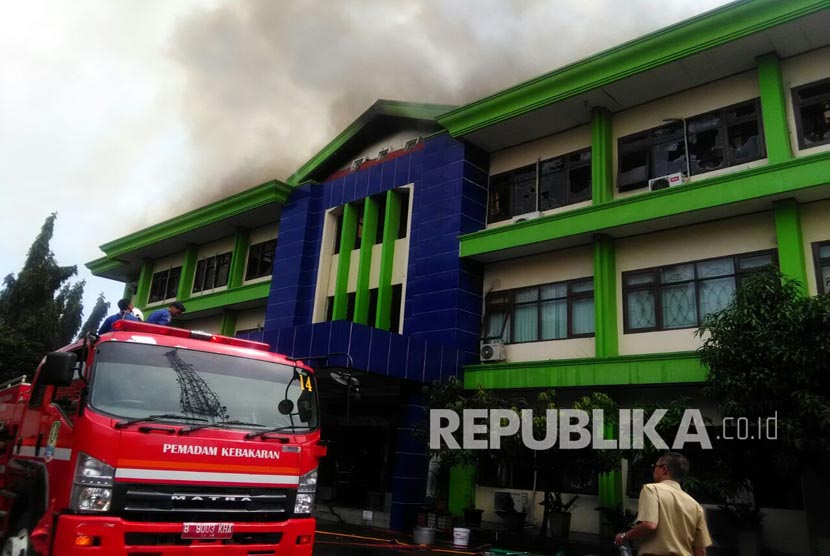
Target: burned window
{"points": [[551, 183], [715, 140], [725, 137], [565, 180], [651, 154], [812, 114]]}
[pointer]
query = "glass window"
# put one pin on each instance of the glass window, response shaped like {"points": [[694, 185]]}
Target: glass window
{"points": [[562, 180], [165, 284], [548, 312], [680, 296], [717, 139], [812, 114], [136, 380], [260, 259], [212, 272]]}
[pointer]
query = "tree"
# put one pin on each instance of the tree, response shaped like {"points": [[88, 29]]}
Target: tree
{"points": [[768, 354], [93, 321], [39, 310]]}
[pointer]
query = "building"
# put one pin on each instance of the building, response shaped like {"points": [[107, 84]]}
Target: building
{"points": [[580, 225]]}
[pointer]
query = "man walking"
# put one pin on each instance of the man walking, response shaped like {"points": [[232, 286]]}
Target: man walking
{"points": [[164, 316], [125, 311], [669, 521]]}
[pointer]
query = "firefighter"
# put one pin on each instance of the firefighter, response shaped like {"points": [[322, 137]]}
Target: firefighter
{"points": [[164, 316], [125, 311]]}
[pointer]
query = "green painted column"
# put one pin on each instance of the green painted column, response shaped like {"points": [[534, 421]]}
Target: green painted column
{"points": [[774, 109], [341, 286], [128, 291], [462, 489], [391, 222], [602, 149], [188, 271], [239, 256], [228, 327], [791, 258], [142, 291], [370, 230], [605, 297]]}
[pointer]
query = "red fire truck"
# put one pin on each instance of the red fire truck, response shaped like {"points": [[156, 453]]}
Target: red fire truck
{"points": [[156, 441]]}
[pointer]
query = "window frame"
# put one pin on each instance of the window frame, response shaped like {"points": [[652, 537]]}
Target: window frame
{"points": [[506, 182], [510, 306], [656, 287], [173, 270], [818, 263], [798, 104], [258, 250], [212, 265], [648, 140]]}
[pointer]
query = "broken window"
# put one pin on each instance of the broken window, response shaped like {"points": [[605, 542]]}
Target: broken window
{"points": [[565, 180], [812, 114]]}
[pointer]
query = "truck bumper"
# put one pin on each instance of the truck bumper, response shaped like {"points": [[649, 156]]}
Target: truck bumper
{"points": [[112, 536]]}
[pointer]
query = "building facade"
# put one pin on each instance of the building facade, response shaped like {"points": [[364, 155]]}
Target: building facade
{"points": [[569, 232]]}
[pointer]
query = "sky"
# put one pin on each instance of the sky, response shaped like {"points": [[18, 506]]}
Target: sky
{"points": [[118, 115]]}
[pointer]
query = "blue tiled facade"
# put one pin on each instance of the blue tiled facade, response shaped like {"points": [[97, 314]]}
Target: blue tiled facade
{"points": [[443, 302]]}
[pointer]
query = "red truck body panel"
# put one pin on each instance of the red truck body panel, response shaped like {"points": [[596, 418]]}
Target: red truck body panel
{"points": [[166, 479]]}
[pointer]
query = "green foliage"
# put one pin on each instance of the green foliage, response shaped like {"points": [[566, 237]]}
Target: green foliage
{"points": [[554, 467], [768, 353], [39, 311], [616, 518], [98, 313]]}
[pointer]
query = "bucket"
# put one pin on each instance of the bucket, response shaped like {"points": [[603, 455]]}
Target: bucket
{"points": [[460, 537], [424, 535]]}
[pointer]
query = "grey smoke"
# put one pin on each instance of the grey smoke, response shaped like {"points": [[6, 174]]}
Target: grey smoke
{"points": [[268, 83]]}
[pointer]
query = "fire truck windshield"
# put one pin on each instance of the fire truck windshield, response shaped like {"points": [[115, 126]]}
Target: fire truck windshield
{"points": [[134, 381]]}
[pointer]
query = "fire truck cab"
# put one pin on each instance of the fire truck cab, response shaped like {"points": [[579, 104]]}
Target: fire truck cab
{"points": [[154, 440]]}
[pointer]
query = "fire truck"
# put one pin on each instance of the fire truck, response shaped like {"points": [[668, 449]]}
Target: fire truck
{"points": [[155, 441]]}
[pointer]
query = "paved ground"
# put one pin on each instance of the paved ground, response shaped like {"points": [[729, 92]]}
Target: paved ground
{"points": [[349, 540]]}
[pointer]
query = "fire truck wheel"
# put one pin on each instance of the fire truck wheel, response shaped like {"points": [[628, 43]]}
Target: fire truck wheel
{"points": [[18, 545]]}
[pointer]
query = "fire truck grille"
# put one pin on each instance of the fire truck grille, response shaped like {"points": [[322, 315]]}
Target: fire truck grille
{"points": [[175, 539], [148, 502]]}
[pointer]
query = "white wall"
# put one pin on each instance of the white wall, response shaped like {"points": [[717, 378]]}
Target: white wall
{"points": [[801, 70], [744, 234], [209, 324], [251, 318], [263, 233]]}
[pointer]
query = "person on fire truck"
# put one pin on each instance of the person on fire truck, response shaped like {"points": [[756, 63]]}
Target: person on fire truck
{"points": [[164, 316], [125, 311]]}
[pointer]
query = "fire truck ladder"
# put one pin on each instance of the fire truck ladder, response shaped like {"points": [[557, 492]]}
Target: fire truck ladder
{"points": [[196, 396]]}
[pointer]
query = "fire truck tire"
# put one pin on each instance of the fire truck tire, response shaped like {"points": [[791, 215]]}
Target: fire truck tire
{"points": [[18, 545]]}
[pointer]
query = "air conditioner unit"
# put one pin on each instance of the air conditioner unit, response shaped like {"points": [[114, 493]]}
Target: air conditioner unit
{"points": [[491, 351], [669, 180], [527, 216]]}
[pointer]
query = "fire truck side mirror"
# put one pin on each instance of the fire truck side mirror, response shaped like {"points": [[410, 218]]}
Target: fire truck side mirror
{"points": [[58, 369]]}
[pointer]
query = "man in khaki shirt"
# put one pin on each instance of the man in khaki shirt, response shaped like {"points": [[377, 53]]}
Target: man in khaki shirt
{"points": [[670, 522]]}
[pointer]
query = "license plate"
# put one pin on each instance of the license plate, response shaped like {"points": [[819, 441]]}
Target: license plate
{"points": [[207, 530]]}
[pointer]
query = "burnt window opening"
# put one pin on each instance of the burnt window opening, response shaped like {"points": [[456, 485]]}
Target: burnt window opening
{"points": [[718, 139], [812, 114]]}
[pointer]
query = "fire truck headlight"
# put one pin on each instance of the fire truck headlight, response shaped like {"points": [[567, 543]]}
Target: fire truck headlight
{"points": [[306, 490], [92, 488]]}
